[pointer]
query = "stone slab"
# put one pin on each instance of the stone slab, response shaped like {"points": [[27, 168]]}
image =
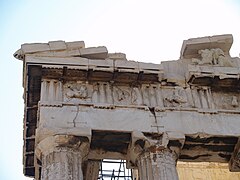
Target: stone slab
{"points": [[56, 60], [57, 45], [75, 44], [35, 47], [117, 56]]}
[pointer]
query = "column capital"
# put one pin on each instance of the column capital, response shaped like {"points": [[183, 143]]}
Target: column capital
{"points": [[141, 143], [60, 142]]}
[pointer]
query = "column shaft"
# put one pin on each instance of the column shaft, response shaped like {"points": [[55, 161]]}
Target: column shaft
{"points": [[92, 170], [157, 166], [62, 163]]}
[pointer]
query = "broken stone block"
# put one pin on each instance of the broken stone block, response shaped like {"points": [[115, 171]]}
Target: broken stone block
{"points": [[117, 56], [57, 45], [35, 47], [75, 45], [73, 52], [94, 52]]}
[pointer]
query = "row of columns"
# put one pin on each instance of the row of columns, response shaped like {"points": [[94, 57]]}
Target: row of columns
{"points": [[62, 157]]}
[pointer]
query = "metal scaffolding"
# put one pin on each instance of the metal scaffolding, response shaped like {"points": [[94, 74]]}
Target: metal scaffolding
{"points": [[114, 170]]}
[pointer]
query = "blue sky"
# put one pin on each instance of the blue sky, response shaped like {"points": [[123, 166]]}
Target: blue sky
{"points": [[149, 31]]}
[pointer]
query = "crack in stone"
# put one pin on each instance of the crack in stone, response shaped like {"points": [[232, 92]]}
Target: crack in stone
{"points": [[74, 119]]}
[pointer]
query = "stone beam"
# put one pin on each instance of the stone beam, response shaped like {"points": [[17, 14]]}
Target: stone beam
{"points": [[142, 120], [94, 52]]}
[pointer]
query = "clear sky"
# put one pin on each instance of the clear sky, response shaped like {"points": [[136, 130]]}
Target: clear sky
{"points": [[150, 31]]}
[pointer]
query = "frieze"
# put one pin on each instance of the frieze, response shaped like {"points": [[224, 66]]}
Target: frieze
{"points": [[158, 96], [149, 95]]}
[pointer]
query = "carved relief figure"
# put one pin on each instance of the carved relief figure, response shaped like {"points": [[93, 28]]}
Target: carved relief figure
{"points": [[206, 55], [95, 94], [146, 95], [136, 96], [152, 96], [219, 58], [226, 100], [177, 98], [212, 57], [77, 91], [234, 101], [216, 53], [121, 96]]}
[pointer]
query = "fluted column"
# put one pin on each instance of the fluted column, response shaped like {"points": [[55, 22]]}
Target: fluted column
{"points": [[92, 170], [62, 163], [62, 157], [157, 166]]}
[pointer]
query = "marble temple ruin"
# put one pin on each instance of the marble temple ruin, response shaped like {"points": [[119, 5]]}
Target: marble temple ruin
{"points": [[83, 105]]}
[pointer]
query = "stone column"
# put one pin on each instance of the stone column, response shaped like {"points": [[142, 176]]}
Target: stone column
{"points": [[135, 174], [62, 157], [92, 170], [157, 166], [155, 157], [62, 163]]}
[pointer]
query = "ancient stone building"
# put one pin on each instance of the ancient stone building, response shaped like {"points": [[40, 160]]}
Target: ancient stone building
{"points": [[85, 104]]}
